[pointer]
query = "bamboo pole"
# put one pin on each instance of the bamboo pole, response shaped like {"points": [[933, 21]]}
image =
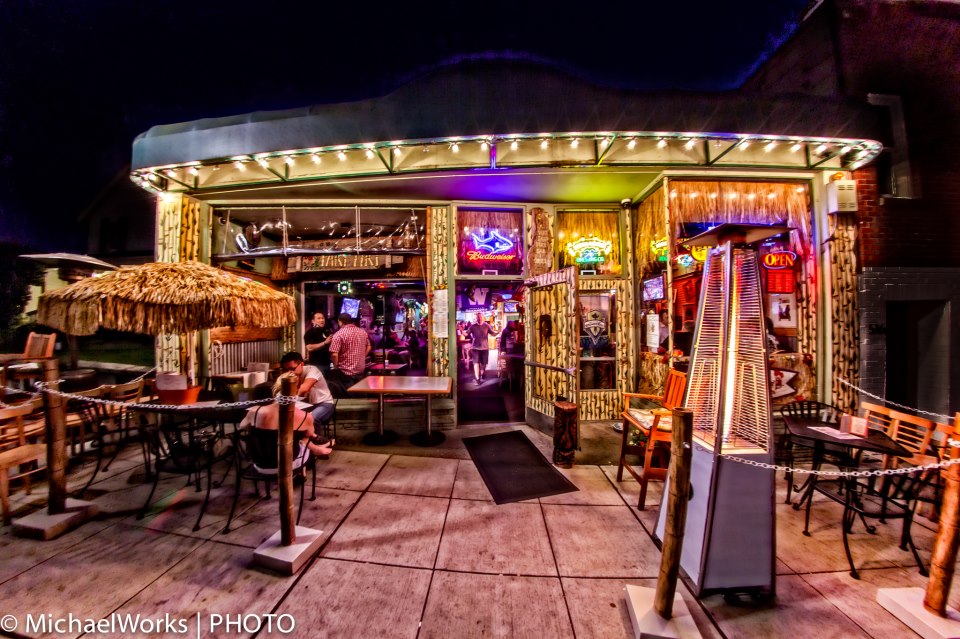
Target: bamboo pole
{"points": [[945, 547], [681, 453], [288, 533], [56, 435]]}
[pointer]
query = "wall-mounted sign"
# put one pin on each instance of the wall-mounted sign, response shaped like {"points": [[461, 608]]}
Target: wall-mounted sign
{"points": [[779, 259], [699, 253], [685, 260], [540, 256], [491, 246], [589, 250]]}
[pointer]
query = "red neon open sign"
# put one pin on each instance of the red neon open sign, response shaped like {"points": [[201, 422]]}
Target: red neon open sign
{"points": [[780, 259]]}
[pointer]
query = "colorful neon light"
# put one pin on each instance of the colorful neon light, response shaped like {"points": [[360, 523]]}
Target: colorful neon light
{"points": [[589, 250], [779, 259], [492, 247]]}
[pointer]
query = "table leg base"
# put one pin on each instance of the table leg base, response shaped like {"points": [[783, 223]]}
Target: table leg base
{"points": [[423, 438], [376, 439]]}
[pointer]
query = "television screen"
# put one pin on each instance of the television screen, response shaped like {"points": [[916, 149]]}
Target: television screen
{"points": [[653, 289], [350, 306], [509, 307]]}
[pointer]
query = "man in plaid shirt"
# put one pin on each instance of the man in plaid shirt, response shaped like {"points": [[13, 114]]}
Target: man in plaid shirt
{"points": [[348, 350]]}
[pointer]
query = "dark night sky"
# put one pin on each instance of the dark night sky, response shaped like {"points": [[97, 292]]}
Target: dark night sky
{"points": [[79, 79]]}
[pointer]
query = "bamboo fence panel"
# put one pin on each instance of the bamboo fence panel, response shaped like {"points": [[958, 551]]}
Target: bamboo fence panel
{"points": [[438, 243], [846, 322]]}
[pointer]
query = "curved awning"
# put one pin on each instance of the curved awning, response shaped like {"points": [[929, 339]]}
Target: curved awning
{"points": [[508, 115]]}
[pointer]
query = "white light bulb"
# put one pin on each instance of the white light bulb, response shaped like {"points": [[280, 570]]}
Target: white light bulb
{"points": [[342, 156], [845, 149], [396, 151], [170, 173], [240, 166], [369, 154], [689, 145], [455, 147], [796, 147], [288, 160], [513, 145], [632, 144], [316, 158], [604, 142], [544, 144], [744, 145], [194, 171], [770, 146], [820, 149], [770, 196], [574, 143], [662, 144], [263, 163], [484, 146], [800, 189]]}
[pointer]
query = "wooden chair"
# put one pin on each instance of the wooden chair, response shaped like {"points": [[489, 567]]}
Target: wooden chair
{"points": [[18, 366], [654, 426], [16, 453], [121, 417]]}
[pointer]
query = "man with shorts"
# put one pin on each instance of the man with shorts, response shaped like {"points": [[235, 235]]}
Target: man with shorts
{"points": [[480, 346]]}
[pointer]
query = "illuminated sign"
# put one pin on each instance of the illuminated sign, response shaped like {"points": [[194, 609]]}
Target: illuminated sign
{"points": [[685, 260], [345, 288], [492, 247], [589, 250], [659, 248], [699, 253], [780, 259]]}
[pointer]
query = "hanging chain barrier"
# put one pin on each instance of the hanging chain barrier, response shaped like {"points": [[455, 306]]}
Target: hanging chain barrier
{"points": [[877, 472], [43, 387], [948, 418]]}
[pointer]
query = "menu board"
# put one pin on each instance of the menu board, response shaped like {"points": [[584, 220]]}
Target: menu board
{"points": [[440, 311]]}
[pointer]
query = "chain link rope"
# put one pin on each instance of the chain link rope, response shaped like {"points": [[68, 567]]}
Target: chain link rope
{"points": [[887, 401], [43, 387]]}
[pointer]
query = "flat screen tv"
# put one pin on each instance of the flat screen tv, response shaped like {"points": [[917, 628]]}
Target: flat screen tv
{"points": [[653, 289], [509, 307], [350, 306]]}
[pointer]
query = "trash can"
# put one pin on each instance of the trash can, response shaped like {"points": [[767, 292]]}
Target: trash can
{"points": [[566, 433]]}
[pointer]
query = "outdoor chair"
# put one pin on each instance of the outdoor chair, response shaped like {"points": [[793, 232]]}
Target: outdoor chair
{"points": [[834, 454], [883, 498], [16, 453], [121, 417], [93, 419], [648, 431], [20, 366], [185, 449], [257, 460]]}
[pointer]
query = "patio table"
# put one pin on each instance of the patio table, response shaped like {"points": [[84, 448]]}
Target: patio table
{"points": [[387, 385]]}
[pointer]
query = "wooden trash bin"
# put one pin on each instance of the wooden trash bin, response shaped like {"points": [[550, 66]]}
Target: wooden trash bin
{"points": [[566, 436]]}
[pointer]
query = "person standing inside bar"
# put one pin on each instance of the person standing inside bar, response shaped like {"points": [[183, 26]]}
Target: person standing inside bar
{"points": [[348, 351], [317, 342], [480, 346]]}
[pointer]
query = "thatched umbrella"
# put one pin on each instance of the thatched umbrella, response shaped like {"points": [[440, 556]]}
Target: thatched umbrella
{"points": [[159, 297]]}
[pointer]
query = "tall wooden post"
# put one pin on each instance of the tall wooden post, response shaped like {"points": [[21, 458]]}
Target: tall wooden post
{"points": [[56, 434], [944, 559], [681, 453], [288, 533]]}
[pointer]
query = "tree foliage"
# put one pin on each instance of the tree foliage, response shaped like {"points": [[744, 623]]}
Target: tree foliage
{"points": [[16, 277]]}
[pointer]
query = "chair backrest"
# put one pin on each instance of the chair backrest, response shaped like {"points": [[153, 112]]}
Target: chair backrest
{"points": [[262, 446], [673, 389], [913, 433], [40, 345], [129, 392], [11, 425], [879, 418], [809, 409]]}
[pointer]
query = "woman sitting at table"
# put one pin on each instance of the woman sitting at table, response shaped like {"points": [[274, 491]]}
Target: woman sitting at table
{"points": [[267, 417]]}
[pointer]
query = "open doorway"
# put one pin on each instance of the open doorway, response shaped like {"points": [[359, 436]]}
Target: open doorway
{"points": [[490, 371], [918, 354]]}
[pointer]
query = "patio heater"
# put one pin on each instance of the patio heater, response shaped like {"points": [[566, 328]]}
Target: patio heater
{"points": [[729, 540]]}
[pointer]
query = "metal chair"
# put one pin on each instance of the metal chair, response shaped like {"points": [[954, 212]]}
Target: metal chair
{"points": [[257, 460], [834, 454]]}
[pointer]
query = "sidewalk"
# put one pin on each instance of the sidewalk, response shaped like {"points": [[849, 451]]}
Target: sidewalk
{"points": [[414, 547]]}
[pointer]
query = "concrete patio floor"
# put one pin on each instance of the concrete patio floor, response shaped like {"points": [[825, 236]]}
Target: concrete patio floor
{"points": [[414, 547]]}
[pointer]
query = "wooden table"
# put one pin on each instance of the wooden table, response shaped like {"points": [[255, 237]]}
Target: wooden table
{"points": [[385, 385], [386, 369]]}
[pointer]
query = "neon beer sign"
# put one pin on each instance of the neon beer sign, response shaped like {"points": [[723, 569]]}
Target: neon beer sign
{"points": [[589, 250], [779, 259], [491, 247]]}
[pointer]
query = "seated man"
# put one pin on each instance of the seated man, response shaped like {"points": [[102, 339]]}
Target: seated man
{"points": [[313, 387]]}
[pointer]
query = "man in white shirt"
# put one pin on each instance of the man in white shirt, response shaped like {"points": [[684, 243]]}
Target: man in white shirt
{"points": [[313, 387]]}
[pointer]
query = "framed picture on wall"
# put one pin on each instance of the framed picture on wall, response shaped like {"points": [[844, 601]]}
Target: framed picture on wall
{"points": [[782, 310]]}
